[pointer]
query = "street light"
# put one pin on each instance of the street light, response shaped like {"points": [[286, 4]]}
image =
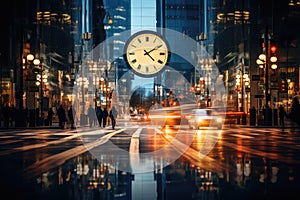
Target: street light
{"points": [[262, 63], [32, 66], [242, 85], [109, 19], [268, 61], [41, 82], [294, 2]]}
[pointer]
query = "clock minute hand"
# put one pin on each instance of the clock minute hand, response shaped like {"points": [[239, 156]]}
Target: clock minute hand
{"points": [[147, 53], [152, 49]]}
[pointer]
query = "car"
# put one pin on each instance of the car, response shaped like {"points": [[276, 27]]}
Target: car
{"points": [[139, 117], [166, 116], [206, 118]]}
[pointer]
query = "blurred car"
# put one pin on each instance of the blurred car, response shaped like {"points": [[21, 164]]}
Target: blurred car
{"points": [[166, 116], [139, 117], [206, 118]]}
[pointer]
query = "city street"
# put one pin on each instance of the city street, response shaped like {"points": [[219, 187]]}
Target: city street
{"points": [[150, 100], [238, 162]]}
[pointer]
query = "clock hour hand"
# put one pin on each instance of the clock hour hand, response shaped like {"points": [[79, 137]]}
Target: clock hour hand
{"points": [[147, 53]]}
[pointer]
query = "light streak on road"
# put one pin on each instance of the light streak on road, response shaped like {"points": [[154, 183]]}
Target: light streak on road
{"points": [[134, 149], [74, 135], [58, 159]]}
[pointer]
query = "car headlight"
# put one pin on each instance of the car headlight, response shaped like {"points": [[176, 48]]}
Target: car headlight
{"points": [[199, 119], [219, 120]]}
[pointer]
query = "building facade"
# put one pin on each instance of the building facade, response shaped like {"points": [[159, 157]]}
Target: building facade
{"points": [[62, 35]]}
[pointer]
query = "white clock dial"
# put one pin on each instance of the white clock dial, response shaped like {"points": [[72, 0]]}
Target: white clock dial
{"points": [[147, 53]]}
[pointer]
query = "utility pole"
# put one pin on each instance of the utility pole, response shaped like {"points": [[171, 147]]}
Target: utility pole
{"points": [[266, 40]]}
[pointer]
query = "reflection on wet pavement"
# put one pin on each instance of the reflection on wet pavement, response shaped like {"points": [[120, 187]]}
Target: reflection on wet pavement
{"points": [[230, 164], [84, 177]]}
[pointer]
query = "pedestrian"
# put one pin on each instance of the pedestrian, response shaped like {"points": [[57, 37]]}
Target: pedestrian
{"points": [[95, 117], [5, 112], [91, 115], [253, 116], [113, 115], [62, 118], [71, 114], [294, 114], [105, 115], [282, 115], [12, 114], [99, 114], [27, 115], [50, 116]]}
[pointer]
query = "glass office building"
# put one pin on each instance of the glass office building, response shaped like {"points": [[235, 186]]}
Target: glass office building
{"points": [[228, 31]]}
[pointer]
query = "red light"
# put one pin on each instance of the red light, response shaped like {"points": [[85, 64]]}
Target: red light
{"points": [[273, 49]]}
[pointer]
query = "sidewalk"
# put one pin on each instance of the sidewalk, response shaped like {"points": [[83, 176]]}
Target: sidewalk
{"points": [[288, 124]]}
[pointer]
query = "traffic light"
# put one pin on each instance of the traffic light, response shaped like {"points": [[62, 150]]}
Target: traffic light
{"points": [[273, 56], [283, 86]]}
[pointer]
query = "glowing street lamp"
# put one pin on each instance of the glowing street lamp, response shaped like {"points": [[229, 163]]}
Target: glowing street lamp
{"points": [[32, 66], [268, 61]]}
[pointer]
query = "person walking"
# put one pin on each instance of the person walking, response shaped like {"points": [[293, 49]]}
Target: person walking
{"points": [[6, 114], [113, 115], [105, 115], [91, 115], [50, 116], [71, 114], [294, 114], [62, 118], [12, 114], [282, 115], [99, 113], [253, 116]]}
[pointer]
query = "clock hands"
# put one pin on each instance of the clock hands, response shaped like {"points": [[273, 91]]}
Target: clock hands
{"points": [[147, 53]]}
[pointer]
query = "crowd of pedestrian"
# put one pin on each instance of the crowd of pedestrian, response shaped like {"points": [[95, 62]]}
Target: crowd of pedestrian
{"points": [[66, 116], [101, 117], [292, 115], [96, 117], [8, 115]]}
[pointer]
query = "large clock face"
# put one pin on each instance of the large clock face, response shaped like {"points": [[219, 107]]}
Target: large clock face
{"points": [[146, 52]]}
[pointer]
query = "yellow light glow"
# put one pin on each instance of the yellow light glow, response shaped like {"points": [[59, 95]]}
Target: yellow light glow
{"points": [[273, 59], [274, 66], [36, 61], [262, 57], [30, 57]]}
